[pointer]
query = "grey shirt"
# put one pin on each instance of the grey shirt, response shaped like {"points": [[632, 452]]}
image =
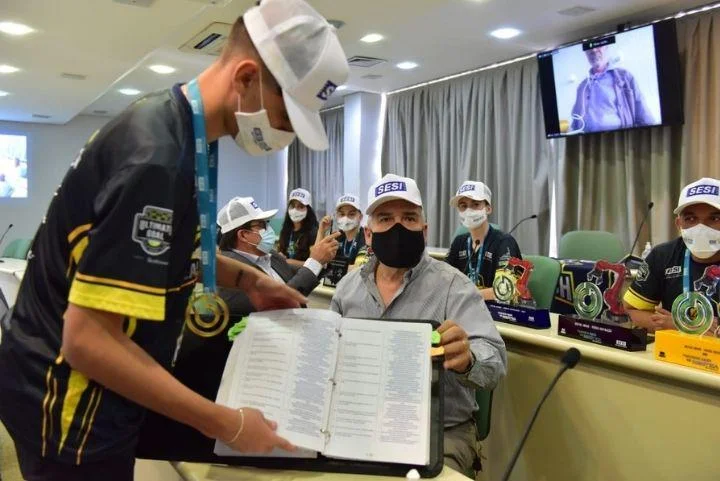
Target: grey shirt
{"points": [[436, 291]]}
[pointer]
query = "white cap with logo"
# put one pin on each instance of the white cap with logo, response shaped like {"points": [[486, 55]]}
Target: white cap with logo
{"points": [[348, 199], [239, 211], [703, 191], [302, 51], [393, 187], [472, 190], [302, 196]]}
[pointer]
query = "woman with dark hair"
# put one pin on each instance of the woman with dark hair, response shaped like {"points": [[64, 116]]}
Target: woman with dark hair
{"points": [[299, 229]]}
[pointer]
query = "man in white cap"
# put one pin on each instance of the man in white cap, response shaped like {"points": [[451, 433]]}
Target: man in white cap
{"points": [[481, 251], [88, 345], [247, 237], [402, 281], [676, 266], [348, 217]]}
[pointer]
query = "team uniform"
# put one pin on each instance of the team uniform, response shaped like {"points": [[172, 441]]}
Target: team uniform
{"points": [[498, 247], [660, 278], [120, 236]]}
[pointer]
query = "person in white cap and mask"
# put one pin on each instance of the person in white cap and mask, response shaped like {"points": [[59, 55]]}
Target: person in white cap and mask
{"points": [[113, 265], [483, 250], [300, 228], [674, 266], [250, 239], [401, 282], [348, 217]]}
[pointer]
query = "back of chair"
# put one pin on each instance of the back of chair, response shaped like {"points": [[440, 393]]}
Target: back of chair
{"points": [[591, 245], [17, 249], [276, 223], [543, 279], [483, 414]]}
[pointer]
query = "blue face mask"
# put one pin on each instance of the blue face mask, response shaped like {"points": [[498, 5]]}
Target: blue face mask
{"points": [[267, 240]]}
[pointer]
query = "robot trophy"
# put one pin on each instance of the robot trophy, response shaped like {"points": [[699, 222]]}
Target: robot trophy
{"points": [[514, 302], [695, 343], [601, 317]]}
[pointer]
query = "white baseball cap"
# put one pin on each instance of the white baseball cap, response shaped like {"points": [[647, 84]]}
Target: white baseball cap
{"points": [[393, 187], [472, 190], [703, 191], [239, 211], [302, 196], [302, 51], [348, 199]]}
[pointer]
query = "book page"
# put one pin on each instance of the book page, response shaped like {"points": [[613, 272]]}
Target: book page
{"points": [[381, 402], [282, 364]]}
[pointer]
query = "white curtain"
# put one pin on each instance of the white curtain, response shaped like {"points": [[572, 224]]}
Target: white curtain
{"points": [[486, 126], [321, 173]]}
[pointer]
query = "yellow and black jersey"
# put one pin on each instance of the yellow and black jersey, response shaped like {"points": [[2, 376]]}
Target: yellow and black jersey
{"points": [[120, 236]]}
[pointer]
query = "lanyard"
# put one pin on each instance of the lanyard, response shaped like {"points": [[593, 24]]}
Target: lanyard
{"points": [[291, 246], [206, 174], [347, 253], [686, 272], [475, 276]]}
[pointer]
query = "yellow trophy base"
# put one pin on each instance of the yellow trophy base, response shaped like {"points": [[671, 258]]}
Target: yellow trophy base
{"points": [[698, 352]]}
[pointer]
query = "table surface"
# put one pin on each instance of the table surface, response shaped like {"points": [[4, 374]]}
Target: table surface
{"points": [[209, 472], [11, 265], [643, 362]]}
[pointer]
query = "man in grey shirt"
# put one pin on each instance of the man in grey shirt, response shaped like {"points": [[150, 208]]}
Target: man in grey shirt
{"points": [[402, 282]]}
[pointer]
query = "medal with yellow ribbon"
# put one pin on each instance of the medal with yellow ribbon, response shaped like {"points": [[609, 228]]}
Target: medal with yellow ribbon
{"points": [[207, 313], [692, 312]]}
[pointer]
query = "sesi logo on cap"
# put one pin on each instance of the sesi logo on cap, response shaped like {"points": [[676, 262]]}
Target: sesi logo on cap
{"points": [[347, 198], [704, 189], [390, 187], [297, 193], [326, 91], [465, 188]]}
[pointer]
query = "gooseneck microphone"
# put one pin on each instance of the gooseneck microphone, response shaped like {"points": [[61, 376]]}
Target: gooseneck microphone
{"points": [[2, 238], [637, 236], [569, 361], [534, 216]]}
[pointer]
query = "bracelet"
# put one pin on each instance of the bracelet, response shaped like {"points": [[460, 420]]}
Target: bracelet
{"points": [[240, 430]]}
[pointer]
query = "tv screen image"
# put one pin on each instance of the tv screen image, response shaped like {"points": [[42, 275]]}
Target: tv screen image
{"points": [[621, 81], [13, 166]]}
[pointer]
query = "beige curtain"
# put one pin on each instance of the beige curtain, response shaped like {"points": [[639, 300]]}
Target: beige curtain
{"points": [[609, 179]]}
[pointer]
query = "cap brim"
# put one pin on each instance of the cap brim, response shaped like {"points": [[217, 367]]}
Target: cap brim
{"points": [[234, 224], [455, 199], [682, 207], [378, 202], [306, 124]]}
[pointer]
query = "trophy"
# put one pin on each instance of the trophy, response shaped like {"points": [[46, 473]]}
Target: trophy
{"points": [[601, 317], [514, 302], [695, 343]]}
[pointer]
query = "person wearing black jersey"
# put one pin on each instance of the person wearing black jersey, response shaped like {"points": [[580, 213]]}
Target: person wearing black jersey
{"points": [[88, 344], [673, 267], [484, 249]]}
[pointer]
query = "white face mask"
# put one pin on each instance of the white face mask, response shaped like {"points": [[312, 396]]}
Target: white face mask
{"points": [[702, 241], [255, 134], [472, 218], [297, 215], [347, 224]]}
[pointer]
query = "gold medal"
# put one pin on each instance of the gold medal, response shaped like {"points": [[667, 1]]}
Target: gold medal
{"points": [[207, 314]]}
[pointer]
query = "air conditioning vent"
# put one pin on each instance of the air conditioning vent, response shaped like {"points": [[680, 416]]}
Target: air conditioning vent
{"points": [[41, 116], [210, 41], [364, 62], [136, 3], [372, 76], [214, 3], [73, 76], [577, 11], [100, 112]]}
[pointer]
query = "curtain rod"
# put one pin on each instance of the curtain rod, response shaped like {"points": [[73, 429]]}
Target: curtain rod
{"points": [[337, 107], [680, 14]]}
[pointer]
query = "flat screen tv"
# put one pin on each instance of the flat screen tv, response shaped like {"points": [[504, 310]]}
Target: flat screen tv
{"points": [[13, 166], [630, 79]]}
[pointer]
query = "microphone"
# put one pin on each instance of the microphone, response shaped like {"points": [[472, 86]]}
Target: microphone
{"points": [[637, 236], [534, 216], [569, 361], [2, 238]]}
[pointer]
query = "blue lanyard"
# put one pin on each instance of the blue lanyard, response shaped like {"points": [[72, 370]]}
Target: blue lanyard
{"points": [[206, 174], [291, 246], [686, 272], [475, 276], [348, 253]]}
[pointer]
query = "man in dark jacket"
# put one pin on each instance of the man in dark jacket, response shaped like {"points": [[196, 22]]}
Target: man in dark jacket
{"points": [[248, 238]]}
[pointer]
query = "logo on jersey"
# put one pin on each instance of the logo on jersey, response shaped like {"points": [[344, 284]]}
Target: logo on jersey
{"points": [[152, 229], [643, 272], [673, 271]]}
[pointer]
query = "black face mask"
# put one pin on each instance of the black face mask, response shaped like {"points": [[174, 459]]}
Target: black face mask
{"points": [[399, 247]]}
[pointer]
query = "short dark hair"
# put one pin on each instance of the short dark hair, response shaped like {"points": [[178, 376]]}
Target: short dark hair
{"points": [[228, 239]]}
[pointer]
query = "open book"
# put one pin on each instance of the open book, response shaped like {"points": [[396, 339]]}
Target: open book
{"points": [[346, 388]]}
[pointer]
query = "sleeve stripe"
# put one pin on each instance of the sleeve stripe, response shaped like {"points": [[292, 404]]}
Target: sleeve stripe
{"points": [[117, 300], [77, 231], [637, 301], [122, 284]]}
